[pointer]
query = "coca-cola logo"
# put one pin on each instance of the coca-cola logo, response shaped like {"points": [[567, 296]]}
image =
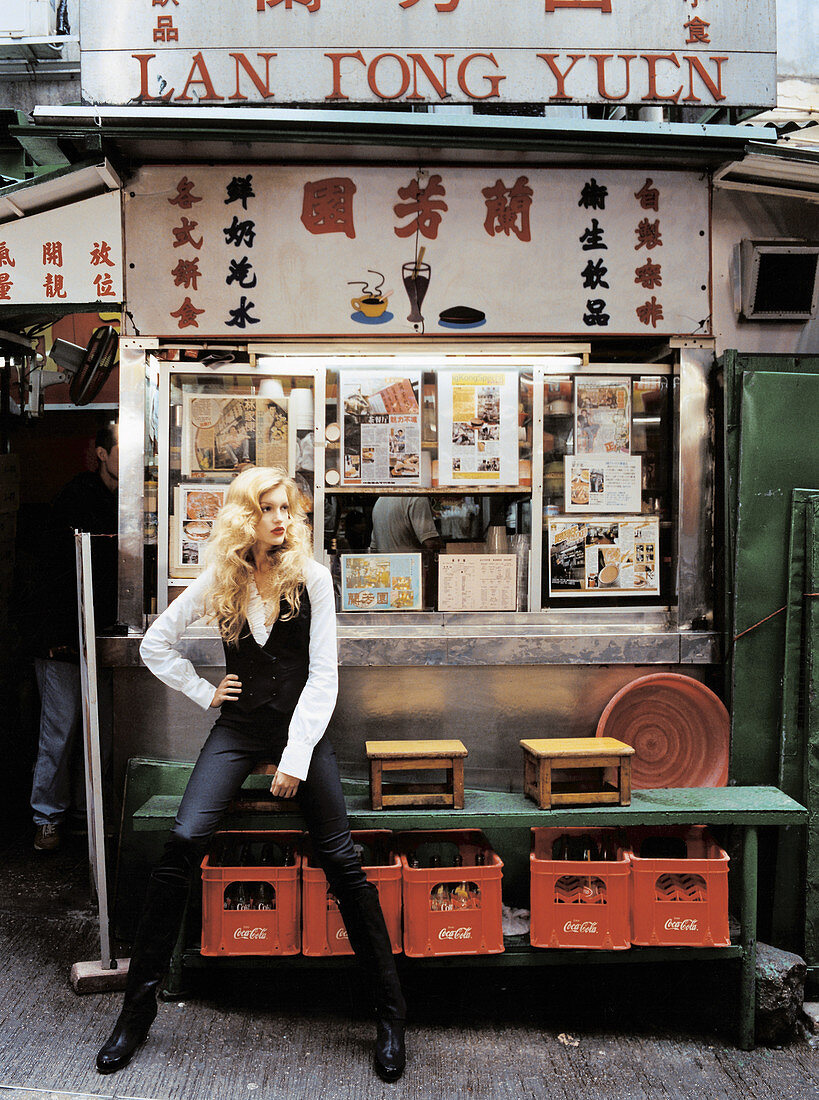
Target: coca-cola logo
{"points": [[250, 934], [342, 934], [588, 926], [677, 924], [455, 934]]}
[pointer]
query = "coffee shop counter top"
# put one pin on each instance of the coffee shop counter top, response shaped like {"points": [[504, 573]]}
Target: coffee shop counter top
{"points": [[382, 640]]}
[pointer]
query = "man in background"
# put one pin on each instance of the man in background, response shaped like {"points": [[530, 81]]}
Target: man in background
{"points": [[403, 525], [87, 503]]}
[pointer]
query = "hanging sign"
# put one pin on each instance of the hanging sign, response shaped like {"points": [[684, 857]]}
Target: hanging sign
{"points": [[187, 52], [326, 251], [69, 256]]}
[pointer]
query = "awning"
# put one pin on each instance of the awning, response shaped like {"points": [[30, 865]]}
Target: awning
{"points": [[780, 169], [59, 188]]}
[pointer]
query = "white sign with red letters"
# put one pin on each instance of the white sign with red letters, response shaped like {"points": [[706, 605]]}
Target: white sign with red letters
{"points": [[190, 52]]}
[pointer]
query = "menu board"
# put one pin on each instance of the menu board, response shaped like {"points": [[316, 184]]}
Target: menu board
{"points": [[477, 582], [604, 556], [602, 415], [478, 427], [380, 428], [195, 509], [225, 434], [381, 582], [602, 483]]}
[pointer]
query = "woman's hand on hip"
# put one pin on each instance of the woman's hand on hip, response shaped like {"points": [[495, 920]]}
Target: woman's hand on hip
{"points": [[283, 785], [228, 691]]}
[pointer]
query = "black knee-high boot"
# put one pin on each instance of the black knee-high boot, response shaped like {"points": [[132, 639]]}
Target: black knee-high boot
{"points": [[153, 946], [370, 940]]}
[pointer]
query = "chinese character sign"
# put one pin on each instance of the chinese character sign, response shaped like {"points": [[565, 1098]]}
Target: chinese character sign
{"points": [[680, 52], [304, 251], [71, 255]]}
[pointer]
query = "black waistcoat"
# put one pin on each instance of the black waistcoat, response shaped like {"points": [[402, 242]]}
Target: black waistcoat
{"points": [[272, 675]]}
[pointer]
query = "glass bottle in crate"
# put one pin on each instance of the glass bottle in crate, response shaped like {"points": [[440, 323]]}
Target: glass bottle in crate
{"points": [[266, 896]]}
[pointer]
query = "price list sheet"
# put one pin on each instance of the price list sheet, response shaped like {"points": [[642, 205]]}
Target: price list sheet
{"points": [[477, 582]]}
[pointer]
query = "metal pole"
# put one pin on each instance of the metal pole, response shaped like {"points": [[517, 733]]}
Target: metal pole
{"points": [[91, 741]]}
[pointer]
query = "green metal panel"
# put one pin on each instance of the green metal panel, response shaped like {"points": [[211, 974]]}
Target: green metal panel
{"points": [[811, 636], [779, 450], [787, 918]]}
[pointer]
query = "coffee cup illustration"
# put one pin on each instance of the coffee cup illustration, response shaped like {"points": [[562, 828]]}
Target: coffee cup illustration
{"points": [[370, 305], [608, 575]]}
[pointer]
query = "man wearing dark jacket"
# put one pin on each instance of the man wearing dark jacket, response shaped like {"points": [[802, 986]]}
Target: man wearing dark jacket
{"points": [[87, 503]]}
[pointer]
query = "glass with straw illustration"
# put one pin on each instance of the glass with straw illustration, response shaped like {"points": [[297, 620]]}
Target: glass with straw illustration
{"points": [[416, 280]]}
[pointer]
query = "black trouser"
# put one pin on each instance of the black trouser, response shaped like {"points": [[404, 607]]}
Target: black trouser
{"points": [[228, 756]]}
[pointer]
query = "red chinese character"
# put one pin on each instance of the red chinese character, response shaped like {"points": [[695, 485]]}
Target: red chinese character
{"points": [[54, 286], [162, 3], [105, 286], [183, 234], [53, 253], [450, 5], [601, 5], [649, 275], [507, 208], [648, 196], [311, 5], [697, 30], [5, 256], [650, 313], [165, 31], [425, 206], [648, 234], [185, 197], [5, 286], [187, 314], [328, 206], [186, 273], [101, 254]]}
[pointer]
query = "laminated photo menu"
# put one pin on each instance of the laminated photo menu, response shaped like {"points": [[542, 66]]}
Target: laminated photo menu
{"points": [[604, 556], [380, 428], [381, 582]]}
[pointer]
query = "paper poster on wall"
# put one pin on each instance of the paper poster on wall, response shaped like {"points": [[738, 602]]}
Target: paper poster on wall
{"points": [[381, 582], [477, 582], [380, 428], [604, 556], [602, 483], [602, 415], [478, 427], [224, 434], [195, 509]]}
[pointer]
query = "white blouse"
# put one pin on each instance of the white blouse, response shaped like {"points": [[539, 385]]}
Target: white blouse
{"points": [[318, 698]]}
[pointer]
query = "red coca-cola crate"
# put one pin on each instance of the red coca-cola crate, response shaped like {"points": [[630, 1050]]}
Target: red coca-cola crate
{"points": [[252, 908], [680, 900], [578, 901], [323, 931], [451, 909]]}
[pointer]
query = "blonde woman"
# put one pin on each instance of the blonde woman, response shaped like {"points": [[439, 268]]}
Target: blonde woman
{"points": [[275, 610]]}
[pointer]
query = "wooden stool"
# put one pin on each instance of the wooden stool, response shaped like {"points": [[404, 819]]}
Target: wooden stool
{"points": [[393, 756], [550, 767]]}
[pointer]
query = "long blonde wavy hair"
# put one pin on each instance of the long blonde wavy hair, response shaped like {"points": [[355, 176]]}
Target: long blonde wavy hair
{"points": [[228, 551]]}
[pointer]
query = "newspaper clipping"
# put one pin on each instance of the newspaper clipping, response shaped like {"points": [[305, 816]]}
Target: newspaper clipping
{"points": [[380, 429], [602, 483], [602, 420], [224, 434], [605, 556], [478, 428]]}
